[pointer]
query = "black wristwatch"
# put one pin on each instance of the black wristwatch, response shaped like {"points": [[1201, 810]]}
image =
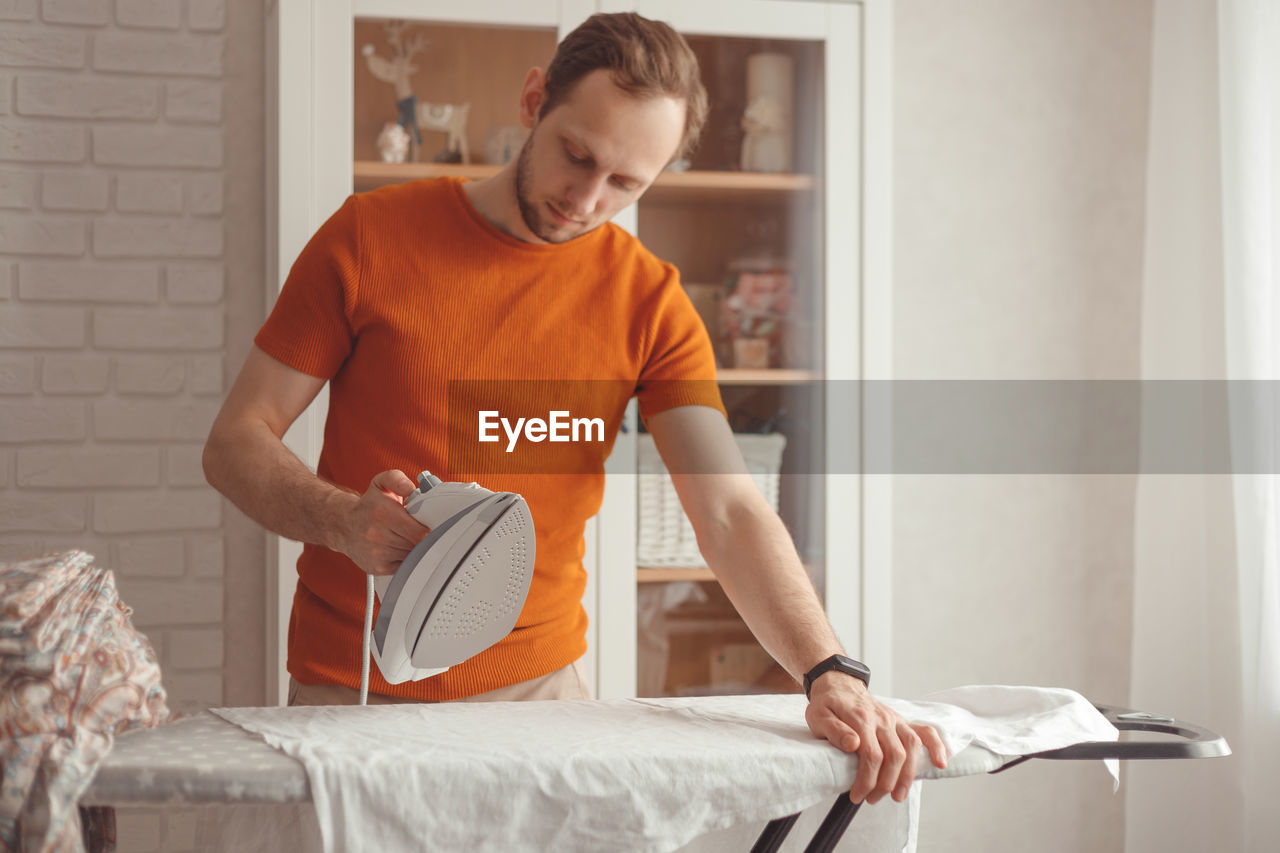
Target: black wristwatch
{"points": [[840, 663]]}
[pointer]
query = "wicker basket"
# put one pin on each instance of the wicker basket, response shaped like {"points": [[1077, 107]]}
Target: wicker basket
{"points": [[666, 538]]}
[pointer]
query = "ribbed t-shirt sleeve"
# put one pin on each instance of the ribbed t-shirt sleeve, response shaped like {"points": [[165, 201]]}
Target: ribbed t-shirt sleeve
{"points": [[309, 327], [681, 367]]}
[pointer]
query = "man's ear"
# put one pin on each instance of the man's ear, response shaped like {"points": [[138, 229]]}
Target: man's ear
{"points": [[532, 96]]}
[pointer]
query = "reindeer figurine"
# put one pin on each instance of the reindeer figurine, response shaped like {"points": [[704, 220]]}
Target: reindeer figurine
{"points": [[450, 118], [397, 70]]}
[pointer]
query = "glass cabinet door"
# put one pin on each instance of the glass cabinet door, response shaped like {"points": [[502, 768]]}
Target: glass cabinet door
{"points": [[743, 222]]}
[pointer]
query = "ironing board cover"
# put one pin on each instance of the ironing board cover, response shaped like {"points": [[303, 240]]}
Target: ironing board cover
{"points": [[634, 774]]}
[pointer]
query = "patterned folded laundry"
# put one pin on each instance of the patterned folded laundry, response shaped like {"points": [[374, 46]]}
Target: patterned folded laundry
{"points": [[74, 673], [69, 618], [27, 586]]}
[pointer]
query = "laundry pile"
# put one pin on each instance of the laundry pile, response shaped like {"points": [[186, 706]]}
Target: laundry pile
{"points": [[73, 674]]}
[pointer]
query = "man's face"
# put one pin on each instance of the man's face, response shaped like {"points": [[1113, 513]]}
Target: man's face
{"points": [[591, 156]]}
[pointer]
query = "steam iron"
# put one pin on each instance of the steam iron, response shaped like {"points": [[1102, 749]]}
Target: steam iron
{"points": [[459, 590]]}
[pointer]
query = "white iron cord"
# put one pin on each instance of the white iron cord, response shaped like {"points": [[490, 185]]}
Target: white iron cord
{"points": [[368, 632]]}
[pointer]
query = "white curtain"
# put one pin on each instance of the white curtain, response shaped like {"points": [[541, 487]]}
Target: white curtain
{"points": [[1206, 642]]}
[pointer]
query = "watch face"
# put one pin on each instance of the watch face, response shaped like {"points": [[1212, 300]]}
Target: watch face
{"points": [[853, 667]]}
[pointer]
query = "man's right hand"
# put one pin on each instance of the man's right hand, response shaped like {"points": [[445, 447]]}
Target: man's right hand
{"points": [[379, 533]]}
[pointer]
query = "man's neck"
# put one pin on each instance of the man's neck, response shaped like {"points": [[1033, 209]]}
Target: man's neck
{"points": [[495, 199]]}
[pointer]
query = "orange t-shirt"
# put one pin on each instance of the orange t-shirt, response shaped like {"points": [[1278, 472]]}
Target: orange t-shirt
{"points": [[420, 313]]}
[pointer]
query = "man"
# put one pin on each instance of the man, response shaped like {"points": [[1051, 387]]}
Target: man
{"points": [[411, 293]]}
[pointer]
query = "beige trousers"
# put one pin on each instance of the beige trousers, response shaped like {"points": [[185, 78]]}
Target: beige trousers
{"points": [[566, 683]]}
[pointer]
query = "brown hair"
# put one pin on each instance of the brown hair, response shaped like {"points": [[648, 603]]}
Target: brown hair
{"points": [[645, 58]]}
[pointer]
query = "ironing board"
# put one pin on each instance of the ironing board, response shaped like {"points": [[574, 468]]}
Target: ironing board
{"points": [[205, 760], [196, 760]]}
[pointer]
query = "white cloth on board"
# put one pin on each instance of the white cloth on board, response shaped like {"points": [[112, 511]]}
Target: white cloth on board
{"points": [[630, 774]]}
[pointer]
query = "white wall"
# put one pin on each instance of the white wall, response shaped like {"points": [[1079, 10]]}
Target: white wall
{"points": [[1020, 156], [128, 278], [113, 327]]}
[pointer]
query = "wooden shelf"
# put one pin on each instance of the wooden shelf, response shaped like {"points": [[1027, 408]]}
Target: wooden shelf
{"points": [[370, 174], [774, 376], [645, 574], [670, 186], [690, 186]]}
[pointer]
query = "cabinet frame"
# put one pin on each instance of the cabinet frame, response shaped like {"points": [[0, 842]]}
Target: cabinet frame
{"points": [[310, 172]]}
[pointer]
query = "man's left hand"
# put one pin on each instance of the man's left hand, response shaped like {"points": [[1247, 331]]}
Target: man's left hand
{"points": [[842, 711]]}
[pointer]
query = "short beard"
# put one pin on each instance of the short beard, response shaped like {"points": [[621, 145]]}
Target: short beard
{"points": [[528, 212]]}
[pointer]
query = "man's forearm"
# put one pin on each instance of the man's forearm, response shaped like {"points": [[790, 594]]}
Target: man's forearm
{"points": [[253, 468], [757, 565]]}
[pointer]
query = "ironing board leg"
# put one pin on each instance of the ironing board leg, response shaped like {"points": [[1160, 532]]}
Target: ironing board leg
{"points": [[823, 841], [833, 825], [774, 833]]}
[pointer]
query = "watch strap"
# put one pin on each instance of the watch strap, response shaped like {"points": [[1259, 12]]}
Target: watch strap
{"points": [[840, 663]]}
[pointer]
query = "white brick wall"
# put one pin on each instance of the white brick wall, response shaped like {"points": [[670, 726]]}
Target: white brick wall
{"points": [[41, 235], [155, 53], [74, 190], [143, 192], [153, 14], [149, 329], [112, 317], [73, 374], [86, 97], [157, 145], [193, 100], [76, 11], [17, 374], [41, 141], [17, 187], [77, 281], [35, 46], [17, 10]]}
